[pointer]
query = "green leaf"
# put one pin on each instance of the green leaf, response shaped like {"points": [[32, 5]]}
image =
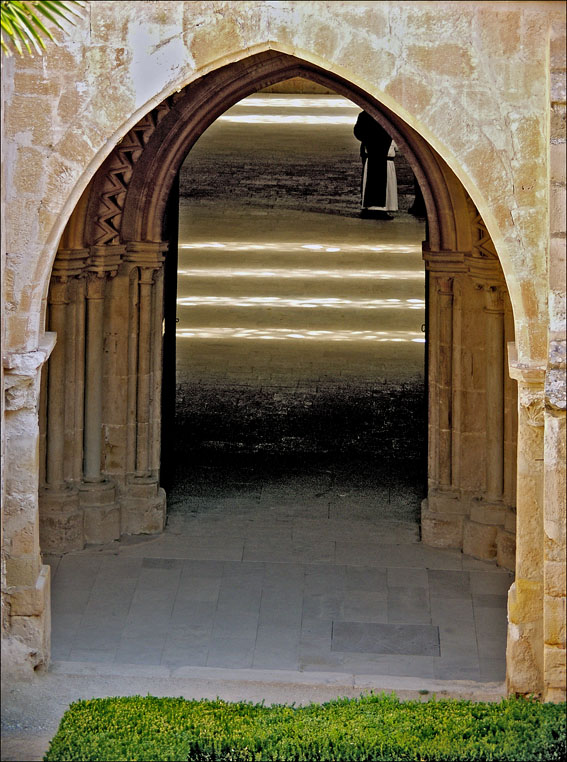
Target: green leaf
{"points": [[21, 23], [27, 28], [29, 18]]}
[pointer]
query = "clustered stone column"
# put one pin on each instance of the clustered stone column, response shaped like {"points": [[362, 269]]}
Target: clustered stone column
{"points": [[27, 579], [470, 504], [101, 461], [61, 517]]}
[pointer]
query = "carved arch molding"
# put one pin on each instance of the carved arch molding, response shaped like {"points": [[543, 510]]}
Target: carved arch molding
{"points": [[101, 450]]}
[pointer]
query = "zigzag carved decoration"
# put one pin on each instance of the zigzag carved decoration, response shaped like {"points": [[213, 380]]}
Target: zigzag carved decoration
{"points": [[119, 173]]}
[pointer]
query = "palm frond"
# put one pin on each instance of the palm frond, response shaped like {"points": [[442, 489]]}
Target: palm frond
{"points": [[21, 22]]}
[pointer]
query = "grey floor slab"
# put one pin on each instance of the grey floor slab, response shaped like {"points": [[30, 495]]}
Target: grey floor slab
{"points": [[410, 639], [268, 585]]}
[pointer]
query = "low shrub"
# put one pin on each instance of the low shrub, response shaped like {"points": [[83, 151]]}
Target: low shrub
{"points": [[369, 728]]}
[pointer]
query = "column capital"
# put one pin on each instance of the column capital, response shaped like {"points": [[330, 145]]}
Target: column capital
{"points": [[146, 254], [27, 363], [69, 263], [531, 391], [444, 261], [530, 374], [105, 260]]}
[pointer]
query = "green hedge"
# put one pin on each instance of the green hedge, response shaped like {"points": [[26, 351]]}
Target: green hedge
{"points": [[369, 728]]}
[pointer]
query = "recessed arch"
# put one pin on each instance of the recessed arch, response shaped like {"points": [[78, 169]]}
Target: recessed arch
{"points": [[106, 305]]}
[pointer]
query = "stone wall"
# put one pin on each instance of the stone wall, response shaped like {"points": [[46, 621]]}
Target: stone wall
{"points": [[469, 80]]}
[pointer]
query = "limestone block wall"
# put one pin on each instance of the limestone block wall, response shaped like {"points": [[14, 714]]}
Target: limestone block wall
{"points": [[471, 80], [554, 456]]}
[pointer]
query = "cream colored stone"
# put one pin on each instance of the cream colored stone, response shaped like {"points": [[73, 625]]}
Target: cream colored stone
{"points": [[558, 162], [554, 621], [557, 264], [31, 601], [479, 540], [525, 602], [523, 671], [554, 659], [441, 530], [557, 209], [554, 578]]}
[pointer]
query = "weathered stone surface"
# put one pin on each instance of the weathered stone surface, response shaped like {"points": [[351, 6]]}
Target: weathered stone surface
{"points": [[554, 659], [554, 578], [479, 540], [554, 622], [436, 67]]}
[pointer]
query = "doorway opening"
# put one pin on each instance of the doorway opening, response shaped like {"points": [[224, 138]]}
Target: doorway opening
{"points": [[300, 326]]}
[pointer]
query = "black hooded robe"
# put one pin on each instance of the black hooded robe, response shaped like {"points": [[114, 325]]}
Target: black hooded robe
{"points": [[375, 144]]}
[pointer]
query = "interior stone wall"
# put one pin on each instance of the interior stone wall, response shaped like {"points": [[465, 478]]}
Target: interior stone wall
{"points": [[437, 67]]}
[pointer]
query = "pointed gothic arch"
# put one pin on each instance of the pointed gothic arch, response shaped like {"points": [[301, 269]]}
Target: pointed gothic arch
{"points": [[101, 436]]}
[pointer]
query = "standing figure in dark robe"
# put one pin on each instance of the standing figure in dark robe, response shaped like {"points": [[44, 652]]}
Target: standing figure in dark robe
{"points": [[374, 146]]}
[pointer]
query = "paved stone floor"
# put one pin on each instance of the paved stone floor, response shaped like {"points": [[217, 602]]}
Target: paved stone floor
{"points": [[289, 576]]}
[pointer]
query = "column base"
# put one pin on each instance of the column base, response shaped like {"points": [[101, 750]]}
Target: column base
{"points": [[489, 533], [479, 540], [60, 521], [143, 507], [506, 549], [30, 625], [439, 529], [102, 512]]}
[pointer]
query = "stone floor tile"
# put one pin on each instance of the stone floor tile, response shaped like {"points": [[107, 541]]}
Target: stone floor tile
{"points": [[92, 654], [232, 653], [455, 669], [403, 577], [491, 646], [233, 569], [202, 568], [205, 589], [322, 606], [490, 601], [243, 627], [180, 656], [68, 601], [193, 613], [475, 564], [228, 551], [401, 665], [490, 583], [408, 605], [132, 651], [316, 632], [493, 670], [441, 558], [365, 606], [408, 639], [286, 615], [313, 659], [366, 578], [448, 584], [324, 578], [454, 613]]}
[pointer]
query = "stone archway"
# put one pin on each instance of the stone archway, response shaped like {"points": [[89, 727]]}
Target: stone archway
{"points": [[101, 393]]}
